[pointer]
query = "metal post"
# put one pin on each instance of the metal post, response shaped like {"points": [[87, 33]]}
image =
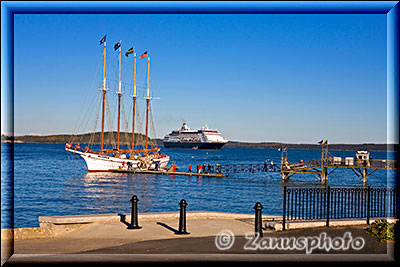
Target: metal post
{"points": [[134, 216], [258, 220], [368, 202], [327, 205], [182, 218], [284, 209], [364, 175]]}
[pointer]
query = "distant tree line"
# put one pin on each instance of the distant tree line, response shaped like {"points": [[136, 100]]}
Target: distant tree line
{"points": [[125, 138], [351, 147], [93, 138]]}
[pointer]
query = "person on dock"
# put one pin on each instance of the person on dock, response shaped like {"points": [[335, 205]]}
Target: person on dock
{"points": [[218, 168], [198, 168], [173, 168], [265, 166], [209, 168], [287, 164], [204, 168], [157, 165], [190, 168]]}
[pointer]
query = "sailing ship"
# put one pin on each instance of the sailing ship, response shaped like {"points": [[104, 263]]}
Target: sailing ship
{"points": [[108, 159]]}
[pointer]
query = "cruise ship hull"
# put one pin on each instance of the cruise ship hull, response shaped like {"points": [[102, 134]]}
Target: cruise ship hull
{"points": [[199, 145]]}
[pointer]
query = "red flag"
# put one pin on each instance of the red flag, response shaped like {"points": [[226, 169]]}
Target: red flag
{"points": [[143, 55]]}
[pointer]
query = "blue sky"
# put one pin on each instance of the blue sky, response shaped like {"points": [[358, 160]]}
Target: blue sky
{"points": [[265, 77]]}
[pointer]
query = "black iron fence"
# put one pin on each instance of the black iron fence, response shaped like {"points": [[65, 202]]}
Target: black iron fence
{"points": [[300, 203]]}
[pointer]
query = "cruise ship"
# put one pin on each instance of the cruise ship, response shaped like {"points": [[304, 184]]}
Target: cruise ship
{"points": [[197, 139]]}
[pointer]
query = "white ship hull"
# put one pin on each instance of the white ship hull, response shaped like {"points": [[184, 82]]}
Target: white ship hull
{"points": [[198, 139], [102, 163]]}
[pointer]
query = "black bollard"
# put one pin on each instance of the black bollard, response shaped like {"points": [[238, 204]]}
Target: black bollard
{"points": [[258, 220], [182, 218], [134, 216]]}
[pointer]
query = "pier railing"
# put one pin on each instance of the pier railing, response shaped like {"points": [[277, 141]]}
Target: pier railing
{"points": [[377, 163], [315, 163], [302, 204], [354, 163], [299, 166], [371, 163], [249, 167]]}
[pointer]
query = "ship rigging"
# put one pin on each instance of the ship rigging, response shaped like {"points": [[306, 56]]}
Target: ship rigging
{"points": [[135, 155]]}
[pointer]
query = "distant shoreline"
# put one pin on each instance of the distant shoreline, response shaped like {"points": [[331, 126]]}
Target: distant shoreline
{"points": [[64, 138], [344, 147]]}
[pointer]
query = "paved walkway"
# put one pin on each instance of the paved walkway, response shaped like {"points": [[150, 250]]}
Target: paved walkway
{"points": [[157, 241]]}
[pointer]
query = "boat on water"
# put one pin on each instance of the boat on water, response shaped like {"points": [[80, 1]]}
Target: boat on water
{"points": [[185, 137], [114, 156]]}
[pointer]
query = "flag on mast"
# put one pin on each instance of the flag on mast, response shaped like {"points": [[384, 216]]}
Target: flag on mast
{"points": [[143, 55], [103, 39], [117, 45], [130, 51]]}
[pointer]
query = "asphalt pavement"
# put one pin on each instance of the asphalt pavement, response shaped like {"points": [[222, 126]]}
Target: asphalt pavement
{"points": [[208, 240]]}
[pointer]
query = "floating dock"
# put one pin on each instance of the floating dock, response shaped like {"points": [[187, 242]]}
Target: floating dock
{"points": [[171, 173]]}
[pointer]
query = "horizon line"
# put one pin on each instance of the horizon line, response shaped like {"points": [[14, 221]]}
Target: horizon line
{"points": [[237, 141]]}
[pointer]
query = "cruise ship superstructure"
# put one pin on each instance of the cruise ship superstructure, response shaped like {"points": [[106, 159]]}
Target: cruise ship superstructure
{"points": [[185, 137]]}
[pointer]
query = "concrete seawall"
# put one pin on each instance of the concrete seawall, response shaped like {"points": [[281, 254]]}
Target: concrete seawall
{"points": [[53, 226]]}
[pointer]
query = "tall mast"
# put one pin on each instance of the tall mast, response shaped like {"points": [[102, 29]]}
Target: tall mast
{"points": [[147, 101], [134, 103], [104, 98], [119, 97]]}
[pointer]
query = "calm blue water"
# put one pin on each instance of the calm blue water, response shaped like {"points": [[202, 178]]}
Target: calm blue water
{"points": [[50, 181]]}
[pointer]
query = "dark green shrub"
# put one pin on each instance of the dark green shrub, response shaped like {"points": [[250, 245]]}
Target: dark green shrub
{"points": [[384, 230]]}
